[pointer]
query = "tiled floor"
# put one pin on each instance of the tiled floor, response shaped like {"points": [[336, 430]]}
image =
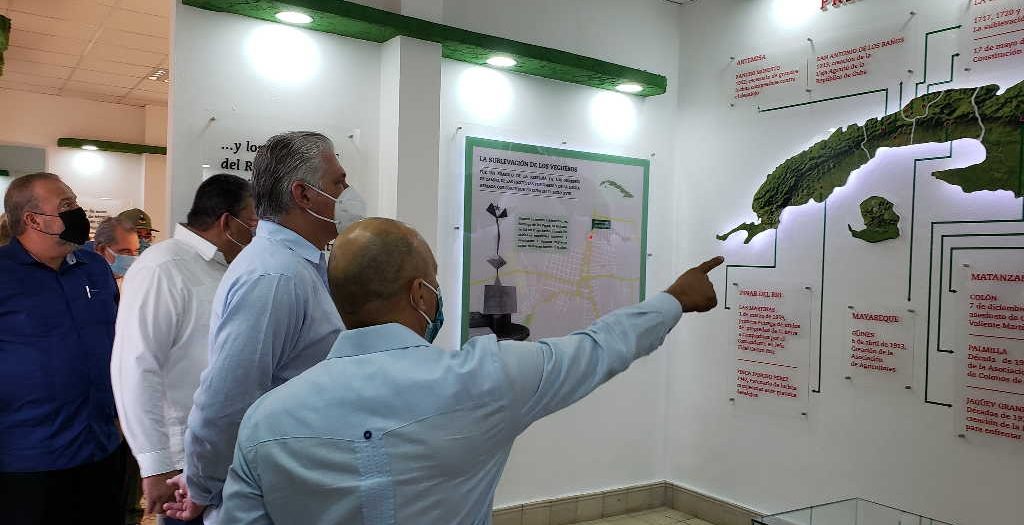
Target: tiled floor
{"points": [[660, 516]]}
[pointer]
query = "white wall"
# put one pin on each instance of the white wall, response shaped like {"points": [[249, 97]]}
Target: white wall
{"points": [[610, 440], [614, 437], [256, 79], [39, 120], [856, 442]]}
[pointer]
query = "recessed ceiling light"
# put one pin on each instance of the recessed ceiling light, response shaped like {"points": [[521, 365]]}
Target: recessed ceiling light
{"points": [[501, 61], [206, 165], [294, 17], [89, 147], [630, 87]]}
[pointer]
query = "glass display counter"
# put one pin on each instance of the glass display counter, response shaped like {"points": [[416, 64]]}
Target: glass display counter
{"points": [[848, 512]]}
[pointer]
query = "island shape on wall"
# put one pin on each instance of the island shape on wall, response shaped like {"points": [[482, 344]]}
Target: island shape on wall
{"points": [[995, 120], [881, 222]]}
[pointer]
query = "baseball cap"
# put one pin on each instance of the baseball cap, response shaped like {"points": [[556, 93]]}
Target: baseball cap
{"points": [[137, 218]]}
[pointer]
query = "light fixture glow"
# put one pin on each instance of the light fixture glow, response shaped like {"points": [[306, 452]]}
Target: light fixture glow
{"points": [[293, 17], [87, 162], [791, 14], [206, 165], [283, 54], [613, 115], [629, 87], [89, 147], [485, 94], [501, 61]]}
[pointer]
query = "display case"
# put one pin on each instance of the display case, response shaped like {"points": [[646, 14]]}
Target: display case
{"points": [[848, 512]]}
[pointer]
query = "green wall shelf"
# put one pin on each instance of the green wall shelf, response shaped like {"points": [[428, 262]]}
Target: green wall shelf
{"points": [[113, 147], [353, 20]]}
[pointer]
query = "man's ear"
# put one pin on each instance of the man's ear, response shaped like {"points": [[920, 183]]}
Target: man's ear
{"points": [[416, 293], [300, 195], [28, 218], [102, 249], [224, 221]]}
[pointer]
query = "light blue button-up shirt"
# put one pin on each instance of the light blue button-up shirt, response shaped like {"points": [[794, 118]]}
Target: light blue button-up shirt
{"points": [[272, 319], [390, 429]]}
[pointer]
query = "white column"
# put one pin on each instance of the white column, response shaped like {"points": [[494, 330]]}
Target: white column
{"points": [[410, 133], [156, 189]]}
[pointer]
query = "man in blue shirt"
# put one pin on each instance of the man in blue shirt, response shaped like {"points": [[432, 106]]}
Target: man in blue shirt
{"points": [[390, 429], [272, 314], [60, 448]]}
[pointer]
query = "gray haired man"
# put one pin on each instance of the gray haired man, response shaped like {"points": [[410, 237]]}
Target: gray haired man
{"points": [[272, 314]]}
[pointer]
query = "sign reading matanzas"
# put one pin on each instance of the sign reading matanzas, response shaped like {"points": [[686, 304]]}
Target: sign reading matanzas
{"points": [[554, 238]]}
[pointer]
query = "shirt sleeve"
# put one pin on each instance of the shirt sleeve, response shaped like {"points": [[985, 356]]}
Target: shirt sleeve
{"points": [[243, 497], [551, 374], [147, 324], [259, 318]]}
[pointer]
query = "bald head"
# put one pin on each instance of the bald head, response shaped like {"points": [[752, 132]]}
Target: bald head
{"points": [[374, 265]]}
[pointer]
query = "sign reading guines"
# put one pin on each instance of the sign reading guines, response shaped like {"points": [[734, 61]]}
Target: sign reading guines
{"points": [[772, 347], [555, 238], [882, 346], [992, 356]]}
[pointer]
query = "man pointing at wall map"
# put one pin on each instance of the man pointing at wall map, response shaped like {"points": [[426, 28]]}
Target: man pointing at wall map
{"points": [[391, 429]]}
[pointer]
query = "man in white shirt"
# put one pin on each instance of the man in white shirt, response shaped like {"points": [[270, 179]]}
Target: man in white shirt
{"points": [[163, 326]]}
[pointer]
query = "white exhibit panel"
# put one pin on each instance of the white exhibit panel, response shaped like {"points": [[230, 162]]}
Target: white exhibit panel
{"points": [[100, 176], [614, 437], [557, 238], [100, 209], [991, 355], [772, 347], [239, 81], [230, 142], [881, 347], [993, 36], [871, 178]]}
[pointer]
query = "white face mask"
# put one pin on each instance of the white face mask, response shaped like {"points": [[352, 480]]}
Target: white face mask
{"points": [[349, 208]]}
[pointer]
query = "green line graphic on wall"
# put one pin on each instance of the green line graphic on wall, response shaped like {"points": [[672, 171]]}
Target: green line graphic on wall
{"points": [[934, 117]]}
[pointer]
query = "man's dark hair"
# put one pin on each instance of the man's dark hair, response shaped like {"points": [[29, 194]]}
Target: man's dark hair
{"points": [[21, 197], [217, 195]]}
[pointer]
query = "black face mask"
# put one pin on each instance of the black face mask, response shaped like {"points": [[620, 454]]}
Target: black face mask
{"points": [[76, 226]]}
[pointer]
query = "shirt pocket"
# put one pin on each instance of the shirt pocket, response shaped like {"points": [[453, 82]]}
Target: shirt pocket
{"points": [[97, 306]]}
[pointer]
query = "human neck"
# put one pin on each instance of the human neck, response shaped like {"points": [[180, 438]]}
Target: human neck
{"points": [[386, 313], [300, 222], [44, 249]]}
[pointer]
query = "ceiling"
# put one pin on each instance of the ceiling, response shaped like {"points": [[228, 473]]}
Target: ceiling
{"points": [[92, 49]]}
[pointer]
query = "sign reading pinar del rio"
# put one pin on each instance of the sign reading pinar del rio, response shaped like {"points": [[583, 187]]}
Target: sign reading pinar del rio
{"points": [[772, 348]]}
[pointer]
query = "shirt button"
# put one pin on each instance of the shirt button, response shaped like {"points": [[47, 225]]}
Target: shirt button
{"points": [[367, 434]]}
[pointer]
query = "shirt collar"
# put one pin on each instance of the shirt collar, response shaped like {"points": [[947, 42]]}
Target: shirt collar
{"points": [[293, 241], [21, 255], [374, 339], [205, 248]]}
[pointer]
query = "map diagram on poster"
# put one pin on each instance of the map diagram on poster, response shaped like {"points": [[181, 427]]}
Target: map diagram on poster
{"points": [[554, 238]]}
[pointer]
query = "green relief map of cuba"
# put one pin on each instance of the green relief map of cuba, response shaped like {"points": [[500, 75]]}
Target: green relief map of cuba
{"points": [[979, 113]]}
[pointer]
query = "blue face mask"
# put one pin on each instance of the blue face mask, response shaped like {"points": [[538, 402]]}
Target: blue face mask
{"points": [[121, 263], [143, 244], [433, 325]]}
